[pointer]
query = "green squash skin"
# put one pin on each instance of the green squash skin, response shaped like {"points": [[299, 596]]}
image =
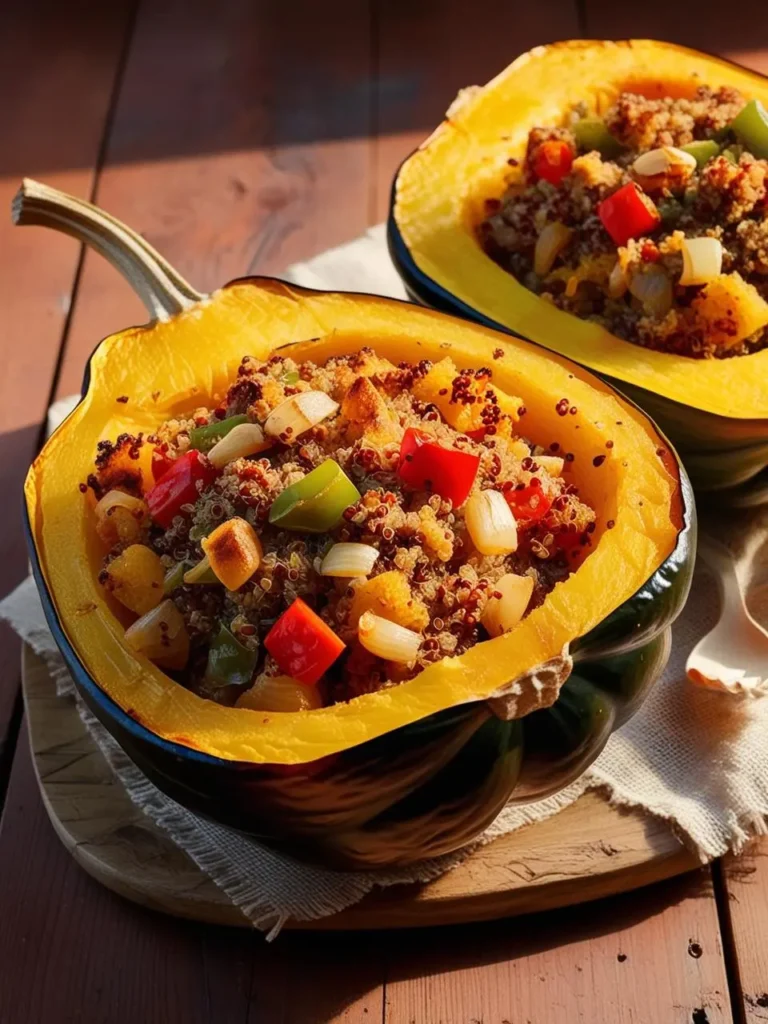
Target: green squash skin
{"points": [[719, 452], [428, 788]]}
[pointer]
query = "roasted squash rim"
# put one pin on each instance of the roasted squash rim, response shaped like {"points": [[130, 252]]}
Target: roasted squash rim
{"points": [[680, 509], [428, 286]]}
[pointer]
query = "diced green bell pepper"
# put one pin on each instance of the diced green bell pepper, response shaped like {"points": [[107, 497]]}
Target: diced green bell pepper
{"points": [[591, 133], [289, 378], [703, 151], [229, 663], [201, 573], [316, 503], [175, 577], [750, 127], [204, 438]]}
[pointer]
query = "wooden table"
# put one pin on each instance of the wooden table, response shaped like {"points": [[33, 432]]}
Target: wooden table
{"points": [[239, 136]]}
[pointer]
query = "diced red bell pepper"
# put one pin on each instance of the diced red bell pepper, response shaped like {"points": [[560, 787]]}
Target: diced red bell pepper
{"points": [[529, 502], [552, 161], [302, 644], [161, 463], [628, 213], [426, 465], [178, 486]]}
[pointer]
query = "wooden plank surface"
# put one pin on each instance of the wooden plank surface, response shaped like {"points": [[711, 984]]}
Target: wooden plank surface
{"points": [[57, 73], [467, 45], [72, 952], [241, 143]]}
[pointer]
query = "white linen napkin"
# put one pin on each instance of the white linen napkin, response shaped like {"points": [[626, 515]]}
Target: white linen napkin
{"points": [[696, 758]]}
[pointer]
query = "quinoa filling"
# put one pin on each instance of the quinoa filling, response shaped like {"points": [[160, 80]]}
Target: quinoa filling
{"points": [[327, 531], [651, 221]]}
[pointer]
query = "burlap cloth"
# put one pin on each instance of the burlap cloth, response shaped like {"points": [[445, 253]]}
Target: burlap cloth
{"points": [[695, 758]]}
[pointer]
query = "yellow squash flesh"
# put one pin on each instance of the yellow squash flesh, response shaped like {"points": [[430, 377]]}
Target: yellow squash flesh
{"points": [[442, 187], [172, 367]]}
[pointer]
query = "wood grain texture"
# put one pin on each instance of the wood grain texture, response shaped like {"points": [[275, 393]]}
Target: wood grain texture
{"points": [[48, 70], [240, 144], [587, 851], [620, 961], [72, 952], [464, 49]]}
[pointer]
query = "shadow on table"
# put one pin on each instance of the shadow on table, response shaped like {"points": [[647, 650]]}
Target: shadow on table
{"points": [[275, 74]]}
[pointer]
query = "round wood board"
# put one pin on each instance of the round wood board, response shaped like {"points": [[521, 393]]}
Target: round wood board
{"points": [[587, 851]]}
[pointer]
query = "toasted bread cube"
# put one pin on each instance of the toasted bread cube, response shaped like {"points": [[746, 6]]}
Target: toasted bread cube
{"points": [[369, 414], [234, 552]]}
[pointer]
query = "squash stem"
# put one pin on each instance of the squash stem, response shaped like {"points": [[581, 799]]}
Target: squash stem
{"points": [[162, 290]]}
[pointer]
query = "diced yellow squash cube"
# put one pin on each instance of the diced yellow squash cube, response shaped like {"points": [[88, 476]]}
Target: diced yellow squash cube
{"points": [[730, 310], [135, 578], [389, 595], [437, 387]]}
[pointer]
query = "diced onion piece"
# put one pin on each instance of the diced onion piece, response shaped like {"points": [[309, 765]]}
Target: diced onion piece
{"points": [[653, 287], [298, 414], [502, 613], [119, 518], [490, 522], [664, 160], [552, 239], [242, 440], [553, 464], [136, 578], [702, 260], [617, 281], [349, 560], [161, 636], [386, 639], [234, 552], [280, 693]]}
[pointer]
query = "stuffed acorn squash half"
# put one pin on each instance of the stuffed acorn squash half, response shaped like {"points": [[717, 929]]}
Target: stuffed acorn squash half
{"points": [[609, 200], [420, 760]]}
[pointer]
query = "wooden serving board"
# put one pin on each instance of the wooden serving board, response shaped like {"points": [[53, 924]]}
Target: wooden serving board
{"points": [[587, 851]]}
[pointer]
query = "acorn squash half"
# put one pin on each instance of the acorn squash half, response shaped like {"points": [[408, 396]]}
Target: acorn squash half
{"points": [[714, 411], [415, 770]]}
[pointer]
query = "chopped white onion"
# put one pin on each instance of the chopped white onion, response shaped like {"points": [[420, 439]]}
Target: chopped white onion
{"points": [[491, 524], [652, 286], [552, 239], [119, 499], [298, 414], [349, 560], [617, 281], [242, 440], [502, 613], [280, 693], [553, 464], [702, 260], [119, 517], [161, 636], [386, 639], [664, 160]]}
